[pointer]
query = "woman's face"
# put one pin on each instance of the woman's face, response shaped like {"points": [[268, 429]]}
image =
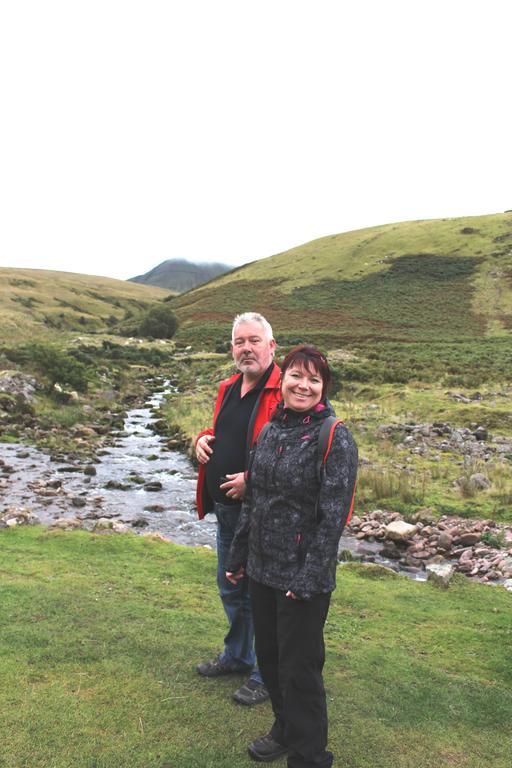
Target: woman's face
{"points": [[301, 389]]}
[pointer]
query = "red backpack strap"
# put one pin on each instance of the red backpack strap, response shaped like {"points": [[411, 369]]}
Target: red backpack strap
{"points": [[325, 438]]}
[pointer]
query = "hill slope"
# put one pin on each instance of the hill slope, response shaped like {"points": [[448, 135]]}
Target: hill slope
{"points": [[37, 302], [181, 275], [418, 281]]}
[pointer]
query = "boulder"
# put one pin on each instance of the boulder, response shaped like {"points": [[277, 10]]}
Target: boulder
{"points": [[399, 530], [444, 541], [440, 573]]}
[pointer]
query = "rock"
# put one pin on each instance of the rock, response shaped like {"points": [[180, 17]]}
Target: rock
{"points": [[508, 584], [466, 556], [18, 385], [481, 433], [355, 522], [120, 528], [425, 516], [154, 485], [103, 524], [399, 530], [78, 501], [66, 523], [440, 573], [467, 539], [480, 481], [90, 470], [444, 541], [140, 522], [154, 508], [116, 485]]}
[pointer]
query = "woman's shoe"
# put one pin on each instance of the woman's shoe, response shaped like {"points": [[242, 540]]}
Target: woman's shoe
{"points": [[266, 749]]}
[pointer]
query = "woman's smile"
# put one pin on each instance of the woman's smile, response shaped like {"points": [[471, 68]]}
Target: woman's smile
{"points": [[301, 388]]}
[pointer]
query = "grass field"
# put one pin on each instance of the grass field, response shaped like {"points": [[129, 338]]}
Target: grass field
{"points": [[44, 304], [100, 636]]}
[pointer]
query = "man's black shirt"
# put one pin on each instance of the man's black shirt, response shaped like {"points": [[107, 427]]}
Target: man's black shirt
{"points": [[230, 444]]}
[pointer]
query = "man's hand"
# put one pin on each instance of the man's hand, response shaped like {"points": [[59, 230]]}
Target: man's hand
{"points": [[234, 578], [204, 449], [235, 486]]}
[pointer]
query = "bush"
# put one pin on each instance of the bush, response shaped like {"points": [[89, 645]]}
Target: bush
{"points": [[159, 322], [58, 366]]}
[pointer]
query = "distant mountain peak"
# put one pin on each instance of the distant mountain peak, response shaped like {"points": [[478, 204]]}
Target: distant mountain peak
{"points": [[181, 275]]}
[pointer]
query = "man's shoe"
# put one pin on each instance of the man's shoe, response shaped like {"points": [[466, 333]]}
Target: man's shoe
{"points": [[216, 667], [266, 749], [251, 693]]}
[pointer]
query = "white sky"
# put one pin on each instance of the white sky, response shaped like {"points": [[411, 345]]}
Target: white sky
{"points": [[226, 130]]}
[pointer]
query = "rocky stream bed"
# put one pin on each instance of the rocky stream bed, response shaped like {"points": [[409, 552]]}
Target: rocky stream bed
{"points": [[136, 482]]}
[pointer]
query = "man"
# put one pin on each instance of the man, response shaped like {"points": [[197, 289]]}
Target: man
{"points": [[245, 402]]}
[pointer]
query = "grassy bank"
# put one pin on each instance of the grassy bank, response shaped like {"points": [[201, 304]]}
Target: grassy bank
{"points": [[99, 638]]}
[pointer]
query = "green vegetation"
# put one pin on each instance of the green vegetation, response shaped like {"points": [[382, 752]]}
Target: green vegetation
{"points": [[36, 303], [158, 322], [100, 636], [417, 299]]}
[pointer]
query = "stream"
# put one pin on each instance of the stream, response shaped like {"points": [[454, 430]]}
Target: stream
{"points": [[137, 481]]}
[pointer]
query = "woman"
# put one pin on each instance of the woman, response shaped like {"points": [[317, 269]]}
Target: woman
{"points": [[287, 542]]}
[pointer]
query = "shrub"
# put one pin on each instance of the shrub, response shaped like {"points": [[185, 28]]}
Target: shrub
{"points": [[58, 366], [159, 322]]}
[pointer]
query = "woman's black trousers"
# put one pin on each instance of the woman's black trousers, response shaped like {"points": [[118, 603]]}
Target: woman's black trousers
{"points": [[290, 649]]}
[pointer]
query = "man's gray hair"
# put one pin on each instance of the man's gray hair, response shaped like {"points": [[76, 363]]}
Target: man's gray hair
{"points": [[252, 317]]}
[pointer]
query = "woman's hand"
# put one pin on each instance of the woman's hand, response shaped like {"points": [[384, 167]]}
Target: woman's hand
{"points": [[235, 486], [234, 578], [203, 448], [291, 595]]}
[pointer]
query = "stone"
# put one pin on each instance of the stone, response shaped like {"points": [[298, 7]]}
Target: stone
{"points": [[90, 470], [467, 539], [78, 501], [140, 522], [66, 523], [154, 485], [480, 481], [399, 530], [103, 524], [440, 573], [444, 541]]}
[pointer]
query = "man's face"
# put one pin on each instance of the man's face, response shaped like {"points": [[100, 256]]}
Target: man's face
{"points": [[252, 350]]}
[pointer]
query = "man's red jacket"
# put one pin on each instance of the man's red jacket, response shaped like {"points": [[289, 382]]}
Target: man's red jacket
{"points": [[266, 405]]}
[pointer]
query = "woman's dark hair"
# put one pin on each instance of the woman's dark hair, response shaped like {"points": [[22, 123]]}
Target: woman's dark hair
{"points": [[310, 358]]}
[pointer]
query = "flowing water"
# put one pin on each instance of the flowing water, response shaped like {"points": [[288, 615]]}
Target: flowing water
{"points": [[137, 481]]}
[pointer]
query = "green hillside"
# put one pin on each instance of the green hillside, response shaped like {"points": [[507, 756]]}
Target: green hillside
{"points": [[37, 303], [444, 280]]}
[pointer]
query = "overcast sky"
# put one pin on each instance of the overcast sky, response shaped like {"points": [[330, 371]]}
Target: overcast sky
{"points": [[227, 130]]}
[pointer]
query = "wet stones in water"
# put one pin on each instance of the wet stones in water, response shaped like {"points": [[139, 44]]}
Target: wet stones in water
{"points": [[138, 479], [70, 468], [154, 485], [78, 501], [90, 470], [22, 455], [54, 483], [152, 457], [117, 485], [140, 522], [154, 508]]}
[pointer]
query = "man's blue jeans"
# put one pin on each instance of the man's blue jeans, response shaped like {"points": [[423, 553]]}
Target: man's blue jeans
{"points": [[239, 641]]}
